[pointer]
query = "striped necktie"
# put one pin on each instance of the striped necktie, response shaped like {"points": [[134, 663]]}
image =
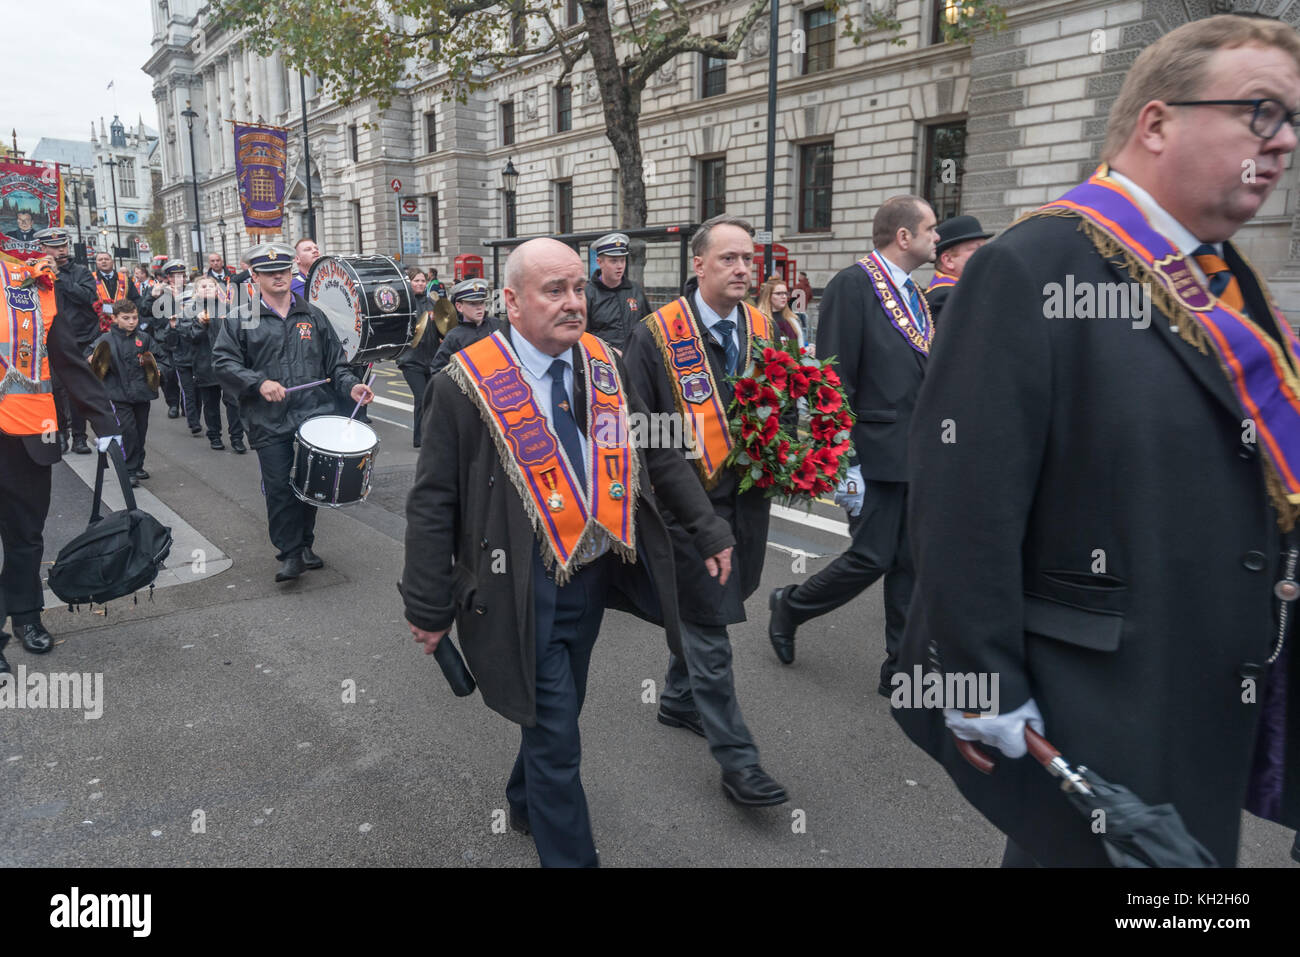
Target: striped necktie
{"points": [[914, 303], [1223, 284]]}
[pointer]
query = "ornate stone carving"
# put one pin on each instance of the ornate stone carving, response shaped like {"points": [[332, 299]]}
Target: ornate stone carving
{"points": [[756, 42], [530, 104], [590, 87], [667, 73], [886, 8]]}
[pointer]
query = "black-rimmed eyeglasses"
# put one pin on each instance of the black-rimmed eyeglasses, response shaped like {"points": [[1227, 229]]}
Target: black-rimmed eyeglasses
{"points": [[1268, 117]]}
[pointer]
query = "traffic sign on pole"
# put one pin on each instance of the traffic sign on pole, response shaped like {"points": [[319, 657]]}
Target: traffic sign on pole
{"points": [[396, 184]]}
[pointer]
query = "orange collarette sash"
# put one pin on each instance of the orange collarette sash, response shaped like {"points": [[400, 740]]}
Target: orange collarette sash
{"points": [[676, 330], [104, 295], [566, 517], [941, 279]]}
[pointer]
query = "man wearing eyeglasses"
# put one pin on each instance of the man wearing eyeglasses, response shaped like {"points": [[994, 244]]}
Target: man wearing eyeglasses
{"points": [[1106, 484]]}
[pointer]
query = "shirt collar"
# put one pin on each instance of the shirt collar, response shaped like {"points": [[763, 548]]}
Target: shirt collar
{"points": [[896, 272], [1161, 219], [708, 316], [537, 362]]}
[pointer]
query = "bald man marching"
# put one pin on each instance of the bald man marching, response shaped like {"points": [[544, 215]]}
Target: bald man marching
{"points": [[527, 480]]}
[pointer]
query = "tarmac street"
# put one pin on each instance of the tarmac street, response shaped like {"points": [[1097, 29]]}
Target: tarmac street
{"points": [[250, 723]]}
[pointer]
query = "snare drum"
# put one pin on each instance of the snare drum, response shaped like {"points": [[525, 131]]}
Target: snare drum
{"points": [[332, 460], [367, 301]]}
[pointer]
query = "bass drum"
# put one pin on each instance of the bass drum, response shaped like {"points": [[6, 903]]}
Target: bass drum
{"points": [[367, 301]]}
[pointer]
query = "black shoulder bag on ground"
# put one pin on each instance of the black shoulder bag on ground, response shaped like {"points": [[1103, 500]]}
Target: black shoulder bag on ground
{"points": [[114, 556]]}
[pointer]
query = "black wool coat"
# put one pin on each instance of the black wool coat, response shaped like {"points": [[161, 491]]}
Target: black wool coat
{"points": [[463, 508], [612, 314], [126, 380], [703, 600], [880, 371], [1089, 526]]}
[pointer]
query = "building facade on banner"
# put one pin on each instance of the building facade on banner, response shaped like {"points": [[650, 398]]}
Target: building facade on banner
{"points": [[993, 130], [130, 156]]}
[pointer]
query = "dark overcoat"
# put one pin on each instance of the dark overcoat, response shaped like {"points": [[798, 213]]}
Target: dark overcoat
{"points": [[463, 515], [1089, 525]]}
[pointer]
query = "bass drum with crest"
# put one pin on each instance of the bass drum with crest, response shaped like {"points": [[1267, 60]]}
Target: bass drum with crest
{"points": [[368, 303]]}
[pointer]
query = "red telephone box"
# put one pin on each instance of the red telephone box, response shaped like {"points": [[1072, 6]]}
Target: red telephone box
{"points": [[779, 263], [467, 266]]}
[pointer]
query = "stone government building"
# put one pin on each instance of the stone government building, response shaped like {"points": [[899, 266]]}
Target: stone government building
{"points": [[992, 129]]}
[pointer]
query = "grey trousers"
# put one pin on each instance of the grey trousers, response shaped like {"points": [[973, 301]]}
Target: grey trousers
{"points": [[703, 682]]}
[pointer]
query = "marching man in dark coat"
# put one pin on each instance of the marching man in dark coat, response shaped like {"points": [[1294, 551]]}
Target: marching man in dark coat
{"points": [[530, 515], [615, 304], [959, 238], [1104, 468], [707, 332], [877, 324]]}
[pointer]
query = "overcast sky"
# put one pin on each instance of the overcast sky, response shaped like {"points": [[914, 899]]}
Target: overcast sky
{"points": [[92, 42]]}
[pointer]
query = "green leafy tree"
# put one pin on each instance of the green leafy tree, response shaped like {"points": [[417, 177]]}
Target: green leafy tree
{"points": [[364, 49]]}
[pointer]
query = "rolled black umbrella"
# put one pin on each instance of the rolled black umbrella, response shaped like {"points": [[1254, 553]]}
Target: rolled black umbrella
{"points": [[1134, 833]]}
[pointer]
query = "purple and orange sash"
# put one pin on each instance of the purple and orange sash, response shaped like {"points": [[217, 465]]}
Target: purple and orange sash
{"points": [[891, 300], [941, 279], [568, 518], [1252, 360], [677, 332]]}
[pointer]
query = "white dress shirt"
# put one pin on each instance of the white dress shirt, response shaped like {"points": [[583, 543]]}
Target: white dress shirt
{"points": [[1164, 223], [711, 319], [900, 280]]}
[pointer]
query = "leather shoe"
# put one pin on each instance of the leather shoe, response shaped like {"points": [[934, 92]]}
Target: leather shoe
{"points": [[238, 446], [80, 447], [141, 474], [63, 444], [173, 412], [780, 629], [195, 429], [752, 787], [290, 569], [310, 559], [35, 638], [217, 445], [519, 822], [690, 720], [135, 482]]}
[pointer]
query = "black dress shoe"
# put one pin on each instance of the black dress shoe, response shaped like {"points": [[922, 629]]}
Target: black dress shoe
{"points": [[780, 629], [80, 447], [173, 412], [141, 474], [217, 445], [135, 482], [519, 822], [290, 569], [195, 429], [63, 444], [690, 720], [238, 446], [310, 559], [35, 638], [752, 787]]}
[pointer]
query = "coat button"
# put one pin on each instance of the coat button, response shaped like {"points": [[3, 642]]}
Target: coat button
{"points": [[483, 544], [491, 480], [480, 609], [1248, 452], [1249, 669], [1254, 561]]}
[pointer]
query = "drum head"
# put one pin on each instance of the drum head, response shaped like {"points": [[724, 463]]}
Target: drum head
{"points": [[368, 303], [334, 289], [335, 433]]}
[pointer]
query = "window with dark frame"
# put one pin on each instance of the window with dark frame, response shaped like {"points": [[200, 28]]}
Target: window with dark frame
{"points": [[713, 187], [507, 123], [573, 13], [815, 179], [819, 31], [563, 108], [945, 11], [714, 74], [945, 162], [435, 229], [353, 146], [430, 132], [564, 206]]}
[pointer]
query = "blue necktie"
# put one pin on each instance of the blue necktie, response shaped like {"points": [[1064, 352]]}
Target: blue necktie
{"points": [[914, 301], [724, 328], [566, 426]]}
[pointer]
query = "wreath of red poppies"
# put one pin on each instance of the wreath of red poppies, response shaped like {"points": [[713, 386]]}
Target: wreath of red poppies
{"points": [[784, 465]]}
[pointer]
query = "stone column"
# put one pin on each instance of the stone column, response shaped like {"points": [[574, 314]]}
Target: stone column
{"points": [[222, 104], [275, 86], [237, 68]]}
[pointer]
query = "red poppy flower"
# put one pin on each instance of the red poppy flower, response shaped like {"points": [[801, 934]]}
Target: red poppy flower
{"points": [[746, 391], [797, 384], [828, 400], [821, 487], [842, 449], [823, 427], [813, 373], [826, 460], [766, 480], [805, 474], [748, 427], [775, 373], [845, 419], [783, 452], [770, 355], [768, 396], [771, 425], [832, 377], [787, 360]]}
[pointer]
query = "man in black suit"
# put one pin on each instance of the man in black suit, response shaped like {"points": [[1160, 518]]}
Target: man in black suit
{"points": [[527, 610], [876, 321], [28, 444], [1098, 520], [959, 238], [717, 329], [77, 298], [25, 231]]}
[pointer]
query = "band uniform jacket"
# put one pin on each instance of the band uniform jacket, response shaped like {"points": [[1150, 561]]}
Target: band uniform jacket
{"points": [[295, 350], [703, 601], [880, 371], [76, 295], [126, 381], [612, 314], [462, 335], [1097, 534], [463, 508]]}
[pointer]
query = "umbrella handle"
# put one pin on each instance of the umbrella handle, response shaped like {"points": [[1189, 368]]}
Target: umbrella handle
{"points": [[1039, 748]]}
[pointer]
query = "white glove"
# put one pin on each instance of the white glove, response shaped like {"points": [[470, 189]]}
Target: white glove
{"points": [[1006, 732], [104, 441], [851, 491]]}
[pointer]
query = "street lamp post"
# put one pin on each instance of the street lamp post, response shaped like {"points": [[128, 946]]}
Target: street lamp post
{"points": [[117, 220], [510, 179], [221, 225], [770, 185], [190, 117], [306, 159]]}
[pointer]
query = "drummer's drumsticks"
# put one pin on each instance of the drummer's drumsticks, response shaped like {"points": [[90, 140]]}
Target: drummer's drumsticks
{"points": [[368, 383], [307, 385]]}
